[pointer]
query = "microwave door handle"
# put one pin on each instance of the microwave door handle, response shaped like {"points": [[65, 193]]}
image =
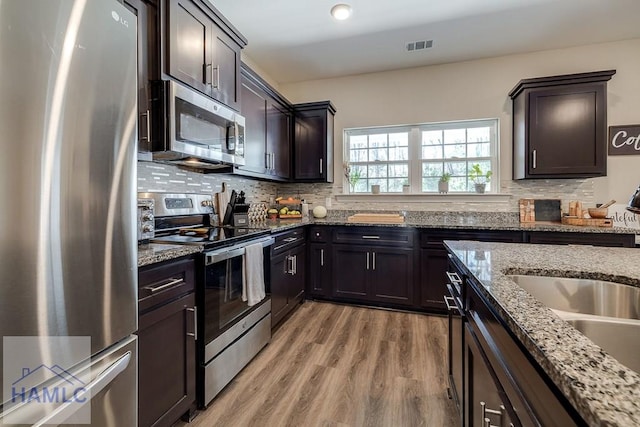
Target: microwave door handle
{"points": [[236, 138]]}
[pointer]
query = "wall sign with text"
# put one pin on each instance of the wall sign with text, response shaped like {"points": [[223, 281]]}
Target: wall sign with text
{"points": [[624, 140]]}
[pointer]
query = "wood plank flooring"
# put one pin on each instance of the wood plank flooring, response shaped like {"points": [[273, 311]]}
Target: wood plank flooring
{"points": [[338, 365]]}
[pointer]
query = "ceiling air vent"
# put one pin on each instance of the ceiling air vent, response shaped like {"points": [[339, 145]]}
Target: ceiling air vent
{"points": [[419, 45]]}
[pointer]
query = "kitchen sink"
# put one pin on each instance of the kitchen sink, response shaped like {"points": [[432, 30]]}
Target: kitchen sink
{"points": [[620, 338], [583, 296]]}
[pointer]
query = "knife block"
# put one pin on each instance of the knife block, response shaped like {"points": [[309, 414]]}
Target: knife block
{"points": [[240, 216]]}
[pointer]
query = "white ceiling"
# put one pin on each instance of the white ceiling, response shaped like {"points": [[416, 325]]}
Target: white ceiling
{"points": [[297, 40]]}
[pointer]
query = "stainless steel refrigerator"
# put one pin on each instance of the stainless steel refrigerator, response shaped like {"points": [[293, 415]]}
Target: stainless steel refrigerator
{"points": [[68, 251]]}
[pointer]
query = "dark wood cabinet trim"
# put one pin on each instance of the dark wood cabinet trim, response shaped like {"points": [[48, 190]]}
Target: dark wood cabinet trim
{"points": [[565, 79]]}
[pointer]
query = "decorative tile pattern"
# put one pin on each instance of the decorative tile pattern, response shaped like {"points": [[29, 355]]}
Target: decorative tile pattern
{"points": [[603, 391], [166, 178]]}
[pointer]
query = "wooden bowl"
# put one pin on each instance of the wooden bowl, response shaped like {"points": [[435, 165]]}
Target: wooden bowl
{"points": [[598, 212]]}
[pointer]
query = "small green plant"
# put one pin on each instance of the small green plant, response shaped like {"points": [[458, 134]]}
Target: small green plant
{"points": [[352, 175], [445, 177], [478, 176]]}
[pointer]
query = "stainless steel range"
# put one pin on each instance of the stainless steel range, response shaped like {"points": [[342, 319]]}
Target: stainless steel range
{"points": [[232, 332]]}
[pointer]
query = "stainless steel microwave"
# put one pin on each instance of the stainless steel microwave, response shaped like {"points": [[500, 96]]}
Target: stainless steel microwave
{"points": [[197, 131]]}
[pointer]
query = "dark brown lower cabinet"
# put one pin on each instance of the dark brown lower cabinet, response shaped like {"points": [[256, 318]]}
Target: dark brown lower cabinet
{"points": [[373, 274], [434, 260], [288, 270], [502, 382], [166, 371], [319, 270], [484, 397]]}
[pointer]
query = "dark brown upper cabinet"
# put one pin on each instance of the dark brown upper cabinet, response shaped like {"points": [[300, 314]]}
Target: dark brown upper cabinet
{"points": [[148, 69], [268, 129], [560, 126], [313, 142], [204, 50]]}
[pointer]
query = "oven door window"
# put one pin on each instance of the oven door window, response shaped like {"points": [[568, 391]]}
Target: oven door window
{"points": [[200, 127], [223, 296]]}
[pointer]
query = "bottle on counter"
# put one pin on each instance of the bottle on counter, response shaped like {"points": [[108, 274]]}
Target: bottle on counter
{"points": [[305, 209]]}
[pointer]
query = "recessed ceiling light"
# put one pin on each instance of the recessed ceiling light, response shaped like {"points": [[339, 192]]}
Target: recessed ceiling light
{"points": [[341, 11]]}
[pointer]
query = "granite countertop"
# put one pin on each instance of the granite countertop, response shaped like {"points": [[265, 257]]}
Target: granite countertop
{"points": [[603, 391], [474, 224], [156, 252], [148, 256]]}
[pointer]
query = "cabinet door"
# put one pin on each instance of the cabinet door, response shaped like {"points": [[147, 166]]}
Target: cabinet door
{"points": [[483, 397], [279, 139], [190, 45], [391, 275], [310, 146], [567, 131], [297, 283], [350, 272], [319, 277], [146, 49], [166, 368], [254, 111], [433, 278], [226, 69], [280, 284]]}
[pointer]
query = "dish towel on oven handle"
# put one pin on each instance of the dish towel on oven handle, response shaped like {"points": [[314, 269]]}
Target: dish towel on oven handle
{"points": [[253, 278]]}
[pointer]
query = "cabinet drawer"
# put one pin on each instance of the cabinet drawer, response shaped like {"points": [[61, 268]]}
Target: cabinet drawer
{"points": [[379, 236], [320, 234], [162, 282], [287, 240], [594, 239], [435, 238]]}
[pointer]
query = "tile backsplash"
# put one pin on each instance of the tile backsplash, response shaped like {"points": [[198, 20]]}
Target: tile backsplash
{"points": [[161, 177], [167, 178]]}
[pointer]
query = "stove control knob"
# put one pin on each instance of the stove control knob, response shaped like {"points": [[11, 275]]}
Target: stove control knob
{"points": [[147, 217], [147, 228]]}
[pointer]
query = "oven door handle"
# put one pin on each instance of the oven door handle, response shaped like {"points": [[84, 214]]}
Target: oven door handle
{"points": [[215, 256]]}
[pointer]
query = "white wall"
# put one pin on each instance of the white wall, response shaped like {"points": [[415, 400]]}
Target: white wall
{"points": [[478, 89]]}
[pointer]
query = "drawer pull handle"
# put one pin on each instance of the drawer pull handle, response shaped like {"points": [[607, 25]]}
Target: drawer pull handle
{"points": [[322, 257], [371, 237], [290, 239], [455, 279], [161, 287], [486, 422], [451, 306], [194, 309]]}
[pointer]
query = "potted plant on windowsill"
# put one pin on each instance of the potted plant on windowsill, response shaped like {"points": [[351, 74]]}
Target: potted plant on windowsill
{"points": [[443, 184], [479, 177], [352, 176]]}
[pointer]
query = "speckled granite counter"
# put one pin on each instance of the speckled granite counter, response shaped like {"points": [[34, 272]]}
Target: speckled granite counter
{"points": [[155, 252], [165, 252], [603, 391], [451, 220]]}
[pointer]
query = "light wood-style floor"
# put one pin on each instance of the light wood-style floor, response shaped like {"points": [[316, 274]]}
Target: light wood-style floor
{"points": [[338, 365]]}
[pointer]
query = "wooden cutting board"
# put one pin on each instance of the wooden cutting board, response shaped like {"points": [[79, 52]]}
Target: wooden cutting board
{"points": [[372, 218], [587, 222]]}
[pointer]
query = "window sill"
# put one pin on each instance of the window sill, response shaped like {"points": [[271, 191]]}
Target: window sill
{"points": [[425, 198]]}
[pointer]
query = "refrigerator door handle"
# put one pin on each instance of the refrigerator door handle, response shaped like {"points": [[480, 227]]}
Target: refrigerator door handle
{"points": [[102, 380]]}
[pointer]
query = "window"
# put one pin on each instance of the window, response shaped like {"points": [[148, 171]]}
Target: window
{"points": [[419, 155]]}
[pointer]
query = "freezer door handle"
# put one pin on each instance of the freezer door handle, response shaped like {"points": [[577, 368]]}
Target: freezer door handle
{"points": [[103, 379]]}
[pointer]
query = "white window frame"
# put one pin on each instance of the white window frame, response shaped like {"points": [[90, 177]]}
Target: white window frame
{"points": [[415, 151]]}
